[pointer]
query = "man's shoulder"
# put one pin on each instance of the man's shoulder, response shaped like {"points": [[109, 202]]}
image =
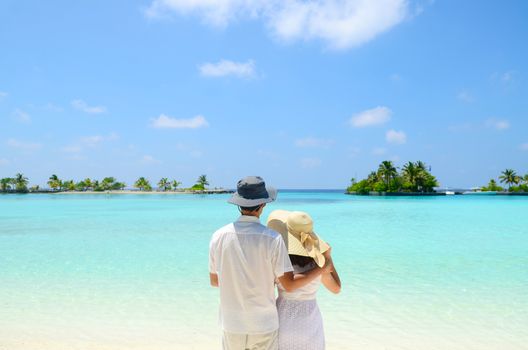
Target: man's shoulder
{"points": [[229, 228], [254, 227], [272, 233]]}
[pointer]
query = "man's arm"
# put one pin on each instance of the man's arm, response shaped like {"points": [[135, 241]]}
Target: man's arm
{"points": [[213, 278]]}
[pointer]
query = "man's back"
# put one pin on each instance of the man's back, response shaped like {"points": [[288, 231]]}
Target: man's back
{"points": [[248, 257]]}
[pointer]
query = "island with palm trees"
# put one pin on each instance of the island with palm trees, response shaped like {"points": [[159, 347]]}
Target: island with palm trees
{"points": [[20, 184], [517, 185], [413, 179]]}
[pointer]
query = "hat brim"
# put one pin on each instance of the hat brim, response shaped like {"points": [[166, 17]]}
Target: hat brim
{"points": [[277, 222], [244, 202]]}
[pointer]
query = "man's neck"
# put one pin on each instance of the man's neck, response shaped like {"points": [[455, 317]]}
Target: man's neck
{"points": [[255, 214]]}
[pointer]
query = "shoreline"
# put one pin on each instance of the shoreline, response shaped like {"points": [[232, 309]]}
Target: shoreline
{"points": [[217, 191], [220, 191]]}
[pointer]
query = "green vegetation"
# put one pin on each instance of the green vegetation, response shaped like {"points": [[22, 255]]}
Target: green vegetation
{"points": [[492, 186], [414, 177], [515, 182], [55, 183], [175, 184], [143, 184], [201, 182], [164, 184], [19, 184]]}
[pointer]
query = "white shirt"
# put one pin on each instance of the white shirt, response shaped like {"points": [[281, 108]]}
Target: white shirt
{"points": [[248, 257]]}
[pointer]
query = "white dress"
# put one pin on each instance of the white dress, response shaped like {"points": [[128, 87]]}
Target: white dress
{"points": [[300, 321]]}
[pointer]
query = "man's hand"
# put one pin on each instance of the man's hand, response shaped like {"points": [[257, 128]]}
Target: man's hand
{"points": [[213, 278]]}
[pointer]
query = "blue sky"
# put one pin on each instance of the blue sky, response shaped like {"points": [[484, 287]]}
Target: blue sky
{"points": [[306, 94]]}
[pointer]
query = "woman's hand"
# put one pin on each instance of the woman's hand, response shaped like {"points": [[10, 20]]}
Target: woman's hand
{"points": [[329, 264], [328, 254], [330, 279]]}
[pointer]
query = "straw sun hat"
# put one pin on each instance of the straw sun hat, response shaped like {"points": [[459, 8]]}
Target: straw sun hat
{"points": [[296, 228]]}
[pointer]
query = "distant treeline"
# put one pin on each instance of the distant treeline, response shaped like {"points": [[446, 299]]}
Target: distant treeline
{"points": [[20, 183], [509, 177]]}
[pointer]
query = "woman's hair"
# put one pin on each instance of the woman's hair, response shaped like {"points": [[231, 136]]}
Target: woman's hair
{"points": [[300, 261]]}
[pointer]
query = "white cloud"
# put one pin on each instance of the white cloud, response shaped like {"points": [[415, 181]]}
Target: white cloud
{"points": [[465, 96], [379, 151], [340, 24], [310, 163], [4, 162], [497, 124], [524, 146], [371, 117], [21, 116], [3, 94], [166, 122], [313, 142], [396, 137], [226, 68], [84, 107], [24, 146], [148, 159]]}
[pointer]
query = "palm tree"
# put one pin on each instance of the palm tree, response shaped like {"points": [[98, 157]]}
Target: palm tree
{"points": [[5, 184], [387, 171], [107, 183], [88, 184], [372, 177], [175, 184], [164, 184], [54, 182], [143, 184], [69, 185], [118, 186], [509, 177], [202, 181], [80, 186], [411, 172], [21, 182]]}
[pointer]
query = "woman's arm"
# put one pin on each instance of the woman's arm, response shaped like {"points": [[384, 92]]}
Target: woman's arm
{"points": [[331, 280], [291, 282]]}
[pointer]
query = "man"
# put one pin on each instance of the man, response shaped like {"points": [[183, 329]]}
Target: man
{"points": [[245, 259]]}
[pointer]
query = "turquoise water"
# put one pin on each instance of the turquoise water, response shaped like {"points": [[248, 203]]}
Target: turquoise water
{"points": [[130, 271]]}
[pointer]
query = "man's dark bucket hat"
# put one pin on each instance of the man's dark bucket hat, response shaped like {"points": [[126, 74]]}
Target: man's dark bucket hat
{"points": [[252, 191]]}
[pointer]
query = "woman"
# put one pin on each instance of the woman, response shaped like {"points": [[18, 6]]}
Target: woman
{"points": [[300, 321]]}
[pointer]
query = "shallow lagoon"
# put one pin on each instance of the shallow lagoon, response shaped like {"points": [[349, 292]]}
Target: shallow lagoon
{"points": [[130, 271]]}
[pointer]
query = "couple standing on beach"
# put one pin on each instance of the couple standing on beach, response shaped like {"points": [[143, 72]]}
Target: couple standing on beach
{"points": [[247, 260]]}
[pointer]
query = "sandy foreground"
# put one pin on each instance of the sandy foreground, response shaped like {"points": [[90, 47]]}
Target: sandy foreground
{"points": [[370, 339]]}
